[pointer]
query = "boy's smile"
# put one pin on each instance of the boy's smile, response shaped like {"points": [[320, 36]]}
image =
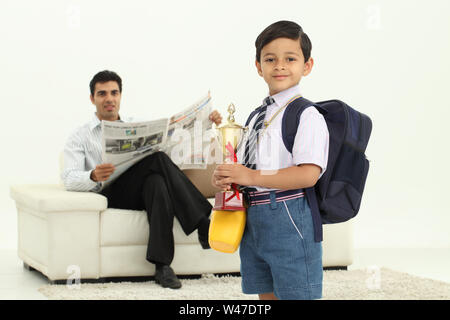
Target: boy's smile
{"points": [[282, 64]]}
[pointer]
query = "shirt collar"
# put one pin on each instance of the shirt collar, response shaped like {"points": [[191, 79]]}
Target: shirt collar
{"points": [[95, 121], [283, 97]]}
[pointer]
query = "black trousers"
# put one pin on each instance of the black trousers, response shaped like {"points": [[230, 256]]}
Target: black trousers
{"points": [[155, 184]]}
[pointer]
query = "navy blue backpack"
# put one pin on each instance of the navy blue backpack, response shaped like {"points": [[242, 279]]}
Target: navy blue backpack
{"points": [[337, 195]]}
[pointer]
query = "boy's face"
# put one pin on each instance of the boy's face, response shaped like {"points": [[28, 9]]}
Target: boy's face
{"points": [[282, 64], [107, 100]]}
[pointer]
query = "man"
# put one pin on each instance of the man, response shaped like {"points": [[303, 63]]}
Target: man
{"points": [[154, 184]]}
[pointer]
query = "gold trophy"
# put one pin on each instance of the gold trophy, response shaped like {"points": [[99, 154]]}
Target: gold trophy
{"points": [[229, 216]]}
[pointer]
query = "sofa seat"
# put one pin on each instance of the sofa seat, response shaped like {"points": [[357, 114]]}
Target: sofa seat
{"points": [[59, 230], [130, 227]]}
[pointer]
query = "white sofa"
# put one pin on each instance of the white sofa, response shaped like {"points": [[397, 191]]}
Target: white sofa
{"points": [[64, 234]]}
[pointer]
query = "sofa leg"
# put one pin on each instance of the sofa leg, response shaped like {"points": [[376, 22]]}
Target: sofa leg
{"points": [[26, 266], [64, 282], [52, 282], [342, 268]]}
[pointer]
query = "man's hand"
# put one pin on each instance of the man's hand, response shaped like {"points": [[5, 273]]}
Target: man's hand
{"points": [[215, 117], [226, 174], [102, 172]]}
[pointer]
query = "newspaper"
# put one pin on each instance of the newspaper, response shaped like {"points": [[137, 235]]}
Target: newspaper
{"points": [[189, 135], [185, 138]]}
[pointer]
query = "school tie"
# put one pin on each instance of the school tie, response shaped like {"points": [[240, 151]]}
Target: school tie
{"points": [[250, 147]]}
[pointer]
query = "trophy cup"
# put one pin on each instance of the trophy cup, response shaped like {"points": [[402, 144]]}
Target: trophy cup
{"points": [[229, 216]]}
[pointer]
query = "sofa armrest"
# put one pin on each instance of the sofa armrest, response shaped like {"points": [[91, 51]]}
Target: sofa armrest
{"points": [[54, 198]]}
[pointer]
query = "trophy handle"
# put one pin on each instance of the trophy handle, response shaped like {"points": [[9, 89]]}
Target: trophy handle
{"points": [[243, 138]]}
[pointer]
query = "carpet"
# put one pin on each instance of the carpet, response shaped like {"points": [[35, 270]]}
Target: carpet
{"points": [[365, 284]]}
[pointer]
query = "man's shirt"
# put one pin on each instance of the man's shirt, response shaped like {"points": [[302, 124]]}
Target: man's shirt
{"points": [[82, 153]]}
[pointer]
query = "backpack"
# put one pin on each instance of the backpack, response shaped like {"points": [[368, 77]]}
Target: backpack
{"points": [[337, 195], [339, 191]]}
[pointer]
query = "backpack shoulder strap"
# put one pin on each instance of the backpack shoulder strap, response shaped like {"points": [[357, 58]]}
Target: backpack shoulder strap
{"points": [[291, 120]]}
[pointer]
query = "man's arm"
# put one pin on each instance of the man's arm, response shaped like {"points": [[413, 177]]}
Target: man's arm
{"points": [[75, 176]]}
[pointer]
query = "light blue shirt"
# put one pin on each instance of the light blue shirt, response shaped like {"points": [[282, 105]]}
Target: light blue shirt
{"points": [[82, 153]]}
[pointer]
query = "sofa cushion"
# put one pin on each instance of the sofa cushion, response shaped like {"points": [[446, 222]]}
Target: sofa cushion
{"points": [[130, 227]]}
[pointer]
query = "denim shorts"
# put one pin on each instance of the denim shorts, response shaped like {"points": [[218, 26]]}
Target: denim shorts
{"points": [[278, 252]]}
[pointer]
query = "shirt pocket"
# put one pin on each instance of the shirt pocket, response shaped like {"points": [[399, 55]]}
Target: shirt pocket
{"points": [[272, 154]]}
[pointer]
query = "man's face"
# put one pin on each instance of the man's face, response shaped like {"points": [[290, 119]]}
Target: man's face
{"points": [[282, 64], [107, 100]]}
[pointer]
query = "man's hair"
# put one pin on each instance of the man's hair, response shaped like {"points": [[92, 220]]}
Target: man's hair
{"points": [[283, 29], [105, 76]]}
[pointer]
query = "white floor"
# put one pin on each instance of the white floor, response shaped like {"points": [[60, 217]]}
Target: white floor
{"points": [[19, 283]]}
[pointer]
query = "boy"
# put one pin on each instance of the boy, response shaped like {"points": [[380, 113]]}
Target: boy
{"points": [[279, 255]]}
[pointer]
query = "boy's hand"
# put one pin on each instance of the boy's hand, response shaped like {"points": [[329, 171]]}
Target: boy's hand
{"points": [[215, 117], [218, 181], [226, 174], [102, 172]]}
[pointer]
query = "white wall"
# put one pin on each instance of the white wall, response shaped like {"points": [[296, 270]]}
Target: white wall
{"points": [[388, 59]]}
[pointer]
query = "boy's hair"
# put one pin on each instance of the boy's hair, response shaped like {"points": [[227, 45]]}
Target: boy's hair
{"points": [[105, 76], [283, 29]]}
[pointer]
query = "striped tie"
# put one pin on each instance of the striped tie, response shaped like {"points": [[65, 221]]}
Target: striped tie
{"points": [[250, 147]]}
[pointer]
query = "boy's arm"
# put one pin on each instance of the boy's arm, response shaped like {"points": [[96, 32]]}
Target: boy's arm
{"points": [[296, 177]]}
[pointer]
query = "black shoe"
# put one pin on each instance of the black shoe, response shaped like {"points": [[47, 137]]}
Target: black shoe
{"points": [[203, 234], [165, 276]]}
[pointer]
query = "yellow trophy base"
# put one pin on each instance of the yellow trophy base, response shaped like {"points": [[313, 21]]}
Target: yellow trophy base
{"points": [[226, 230]]}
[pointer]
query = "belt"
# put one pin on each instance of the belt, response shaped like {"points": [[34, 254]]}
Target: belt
{"points": [[255, 198]]}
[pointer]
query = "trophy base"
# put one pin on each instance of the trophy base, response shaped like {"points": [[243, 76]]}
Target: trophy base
{"points": [[226, 230], [225, 201]]}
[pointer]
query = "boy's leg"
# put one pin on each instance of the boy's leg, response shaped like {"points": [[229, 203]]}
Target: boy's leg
{"points": [[297, 268], [255, 272], [283, 240], [279, 256]]}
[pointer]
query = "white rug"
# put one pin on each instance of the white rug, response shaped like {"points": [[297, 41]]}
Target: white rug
{"points": [[367, 284]]}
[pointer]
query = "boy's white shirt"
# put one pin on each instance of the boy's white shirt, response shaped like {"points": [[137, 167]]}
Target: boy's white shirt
{"points": [[311, 142]]}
